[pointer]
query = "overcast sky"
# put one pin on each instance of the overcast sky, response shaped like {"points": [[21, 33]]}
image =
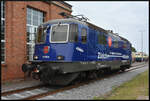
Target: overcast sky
{"points": [[129, 19]]}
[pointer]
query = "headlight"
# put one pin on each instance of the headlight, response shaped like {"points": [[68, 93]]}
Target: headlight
{"points": [[60, 57], [35, 57]]}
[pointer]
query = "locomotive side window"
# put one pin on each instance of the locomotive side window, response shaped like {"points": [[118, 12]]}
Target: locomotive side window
{"points": [[83, 35], [73, 33], [115, 44], [124, 45], [128, 46], [115, 41], [102, 39], [41, 35]]}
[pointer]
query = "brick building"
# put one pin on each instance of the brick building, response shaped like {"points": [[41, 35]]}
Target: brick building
{"points": [[19, 21]]}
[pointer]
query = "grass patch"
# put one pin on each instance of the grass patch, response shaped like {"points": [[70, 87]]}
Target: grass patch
{"points": [[132, 90]]}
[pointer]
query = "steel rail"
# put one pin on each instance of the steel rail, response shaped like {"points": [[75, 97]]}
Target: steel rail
{"points": [[137, 64]]}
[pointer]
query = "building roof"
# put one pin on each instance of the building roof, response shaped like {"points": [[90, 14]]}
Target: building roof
{"points": [[62, 2]]}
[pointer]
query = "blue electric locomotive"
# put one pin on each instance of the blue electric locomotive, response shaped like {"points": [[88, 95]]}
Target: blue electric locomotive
{"points": [[67, 49]]}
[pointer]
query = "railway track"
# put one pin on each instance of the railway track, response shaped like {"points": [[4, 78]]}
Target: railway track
{"points": [[20, 90], [60, 89], [137, 64]]}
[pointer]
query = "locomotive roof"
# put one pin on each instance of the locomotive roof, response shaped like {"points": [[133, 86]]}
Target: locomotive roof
{"points": [[96, 27], [69, 20], [64, 21], [99, 28]]}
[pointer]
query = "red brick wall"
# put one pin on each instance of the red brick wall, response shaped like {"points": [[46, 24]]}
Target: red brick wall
{"points": [[57, 10], [15, 34]]}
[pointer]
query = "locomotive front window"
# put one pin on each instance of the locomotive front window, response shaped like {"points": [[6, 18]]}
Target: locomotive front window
{"points": [[41, 35], [59, 33]]}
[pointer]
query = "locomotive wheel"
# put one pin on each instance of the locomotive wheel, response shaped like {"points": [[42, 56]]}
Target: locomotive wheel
{"points": [[58, 79], [92, 75], [128, 66], [82, 76], [35, 76], [123, 69], [117, 70], [47, 75], [99, 73], [79, 79]]}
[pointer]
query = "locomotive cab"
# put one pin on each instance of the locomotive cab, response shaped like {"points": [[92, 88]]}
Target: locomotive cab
{"points": [[61, 42]]}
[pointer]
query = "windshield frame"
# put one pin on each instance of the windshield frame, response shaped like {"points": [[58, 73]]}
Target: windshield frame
{"points": [[59, 41]]}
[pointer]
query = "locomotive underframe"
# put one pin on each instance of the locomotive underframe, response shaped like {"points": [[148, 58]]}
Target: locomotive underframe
{"points": [[62, 73]]}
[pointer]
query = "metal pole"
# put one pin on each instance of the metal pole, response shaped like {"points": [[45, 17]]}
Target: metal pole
{"points": [[142, 43], [142, 46]]}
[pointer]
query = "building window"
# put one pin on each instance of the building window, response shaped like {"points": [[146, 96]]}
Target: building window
{"points": [[34, 19], [2, 31]]}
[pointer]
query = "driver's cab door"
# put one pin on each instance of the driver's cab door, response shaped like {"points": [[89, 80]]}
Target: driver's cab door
{"points": [[81, 45]]}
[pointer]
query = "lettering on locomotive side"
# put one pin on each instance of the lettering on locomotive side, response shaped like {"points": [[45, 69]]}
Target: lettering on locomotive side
{"points": [[115, 53], [101, 55], [84, 63], [92, 62], [79, 49], [112, 54], [124, 60], [125, 56]]}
